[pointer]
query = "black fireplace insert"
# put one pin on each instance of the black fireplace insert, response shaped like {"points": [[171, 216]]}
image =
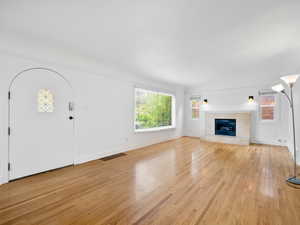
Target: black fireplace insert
{"points": [[225, 127]]}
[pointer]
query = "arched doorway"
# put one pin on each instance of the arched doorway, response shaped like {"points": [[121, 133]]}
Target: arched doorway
{"points": [[41, 125]]}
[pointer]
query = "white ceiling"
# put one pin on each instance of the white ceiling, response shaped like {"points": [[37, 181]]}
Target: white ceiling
{"points": [[189, 42]]}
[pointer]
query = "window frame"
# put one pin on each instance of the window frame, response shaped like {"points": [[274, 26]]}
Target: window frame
{"points": [[191, 104], [275, 108], [173, 116]]}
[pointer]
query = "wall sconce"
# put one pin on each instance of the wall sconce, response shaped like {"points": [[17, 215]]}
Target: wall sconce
{"points": [[205, 101], [250, 99]]}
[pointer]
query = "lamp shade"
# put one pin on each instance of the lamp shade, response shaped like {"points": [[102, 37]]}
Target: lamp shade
{"points": [[278, 88], [290, 79]]}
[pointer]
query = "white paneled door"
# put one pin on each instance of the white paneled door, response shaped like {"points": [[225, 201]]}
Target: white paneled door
{"points": [[41, 123]]}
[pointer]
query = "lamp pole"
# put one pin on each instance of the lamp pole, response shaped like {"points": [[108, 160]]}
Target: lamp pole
{"points": [[293, 179], [290, 80]]}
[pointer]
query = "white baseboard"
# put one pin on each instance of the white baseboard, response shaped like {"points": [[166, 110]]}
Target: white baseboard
{"points": [[2, 181], [112, 151], [267, 142], [87, 158], [252, 140], [117, 150], [291, 151]]}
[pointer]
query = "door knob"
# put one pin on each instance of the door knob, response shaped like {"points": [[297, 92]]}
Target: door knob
{"points": [[71, 117]]}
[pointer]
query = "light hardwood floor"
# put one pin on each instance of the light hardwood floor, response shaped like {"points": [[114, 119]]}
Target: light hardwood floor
{"points": [[185, 181]]}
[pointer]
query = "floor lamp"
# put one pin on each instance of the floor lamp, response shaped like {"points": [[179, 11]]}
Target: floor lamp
{"points": [[290, 80]]}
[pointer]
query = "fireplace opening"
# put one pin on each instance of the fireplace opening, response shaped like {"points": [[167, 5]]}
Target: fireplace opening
{"points": [[225, 127]]}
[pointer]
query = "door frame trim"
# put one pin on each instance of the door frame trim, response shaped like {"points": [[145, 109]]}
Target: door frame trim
{"points": [[9, 108]]}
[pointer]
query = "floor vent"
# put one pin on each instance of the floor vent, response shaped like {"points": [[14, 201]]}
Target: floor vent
{"points": [[113, 156]]}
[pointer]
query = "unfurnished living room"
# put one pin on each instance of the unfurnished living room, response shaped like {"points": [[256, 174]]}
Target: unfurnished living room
{"points": [[157, 112]]}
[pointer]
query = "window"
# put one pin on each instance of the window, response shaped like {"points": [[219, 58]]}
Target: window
{"points": [[153, 110], [45, 101], [267, 105], [195, 105]]}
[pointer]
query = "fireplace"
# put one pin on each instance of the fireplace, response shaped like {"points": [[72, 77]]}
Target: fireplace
{"points": [[225, 127]]}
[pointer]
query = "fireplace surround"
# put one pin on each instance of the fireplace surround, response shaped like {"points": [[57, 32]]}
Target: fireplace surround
{"points": [[226, 133]]}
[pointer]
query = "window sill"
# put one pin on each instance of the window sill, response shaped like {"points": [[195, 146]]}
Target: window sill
{"points": [[268, 121], [154, 129]]}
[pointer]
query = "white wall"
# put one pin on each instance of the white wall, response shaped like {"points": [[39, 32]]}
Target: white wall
{"points": [[237, 100], [104, 109]]}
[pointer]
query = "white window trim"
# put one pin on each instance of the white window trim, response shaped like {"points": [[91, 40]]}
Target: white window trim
{"points": [[276, 110], [173, 126], [154, 129], [191, 112]]}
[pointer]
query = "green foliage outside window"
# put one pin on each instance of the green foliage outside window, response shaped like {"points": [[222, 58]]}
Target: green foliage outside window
{"points": [[152, 109]]}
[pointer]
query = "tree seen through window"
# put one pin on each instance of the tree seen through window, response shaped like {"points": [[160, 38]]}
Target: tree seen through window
{"points": [[153, 109]]}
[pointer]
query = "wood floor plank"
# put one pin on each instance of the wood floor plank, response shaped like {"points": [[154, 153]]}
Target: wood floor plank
{"points": [[181, 182]]}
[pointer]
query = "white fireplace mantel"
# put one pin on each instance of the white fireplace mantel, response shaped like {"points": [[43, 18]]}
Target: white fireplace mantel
{"points": [[243, 126]]}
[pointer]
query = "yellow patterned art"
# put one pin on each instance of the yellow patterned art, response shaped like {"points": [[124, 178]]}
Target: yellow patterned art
{"points": [[45, 101]]}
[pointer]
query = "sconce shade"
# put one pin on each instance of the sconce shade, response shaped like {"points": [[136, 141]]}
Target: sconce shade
{"points": [[250, 99], [205, 101], [290, 79], [278, 88]]}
